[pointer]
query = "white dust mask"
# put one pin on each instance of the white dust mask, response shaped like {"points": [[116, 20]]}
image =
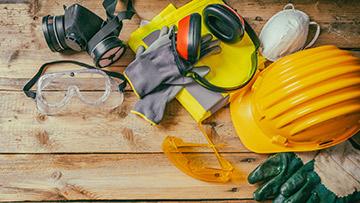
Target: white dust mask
{"points": [[286, 32]]}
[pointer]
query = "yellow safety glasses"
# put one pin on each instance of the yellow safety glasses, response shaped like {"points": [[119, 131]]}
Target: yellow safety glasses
{"points": [[185, 156]]}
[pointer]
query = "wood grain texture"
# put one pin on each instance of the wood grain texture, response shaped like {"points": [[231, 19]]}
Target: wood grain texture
{"points": [[115, 176], [26, 49], [114, 155], [18, 83], [23, 129]]}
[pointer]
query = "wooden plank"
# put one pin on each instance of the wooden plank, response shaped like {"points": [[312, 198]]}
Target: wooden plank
{"points": [[115, 176], [144, 173], [26, 50], [22, 129], [18, 83]]}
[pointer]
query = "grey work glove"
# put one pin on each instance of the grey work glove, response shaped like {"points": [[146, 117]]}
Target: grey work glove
{"points": [[156, 65], [152, 106], [159, 86]]}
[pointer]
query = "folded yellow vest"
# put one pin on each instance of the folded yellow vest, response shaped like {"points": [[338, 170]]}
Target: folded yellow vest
{"points": [[229, 68]]}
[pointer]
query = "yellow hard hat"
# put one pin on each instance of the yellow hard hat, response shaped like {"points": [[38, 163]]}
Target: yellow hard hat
{"points": [[306, 101]]}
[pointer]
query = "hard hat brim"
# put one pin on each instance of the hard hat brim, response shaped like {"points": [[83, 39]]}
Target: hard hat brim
{"points": [[250, 134]]}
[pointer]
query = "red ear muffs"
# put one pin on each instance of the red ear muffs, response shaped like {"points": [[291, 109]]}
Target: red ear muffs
{"points": [[224, 22], [188, 38]]}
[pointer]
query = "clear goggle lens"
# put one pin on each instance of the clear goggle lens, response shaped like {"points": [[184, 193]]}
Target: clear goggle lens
{"points": [[74, 88]]}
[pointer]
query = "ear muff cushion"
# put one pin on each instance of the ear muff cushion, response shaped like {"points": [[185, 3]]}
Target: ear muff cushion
{"points": [[224, 22], [194, 42], [182, 37], [189, 37]]}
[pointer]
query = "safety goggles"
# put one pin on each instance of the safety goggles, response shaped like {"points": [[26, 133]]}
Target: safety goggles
{"points": [[186, 157], [66, 91]]}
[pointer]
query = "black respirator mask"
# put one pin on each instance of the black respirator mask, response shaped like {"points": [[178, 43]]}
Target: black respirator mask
{"points": [[79, 29]]}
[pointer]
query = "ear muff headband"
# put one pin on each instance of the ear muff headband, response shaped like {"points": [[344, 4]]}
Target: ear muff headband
{"points": [[254, 63], [224, 22], [189, 37]]}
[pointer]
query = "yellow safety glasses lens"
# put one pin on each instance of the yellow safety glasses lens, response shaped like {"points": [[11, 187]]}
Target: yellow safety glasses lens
{"points": [[186, 157]]}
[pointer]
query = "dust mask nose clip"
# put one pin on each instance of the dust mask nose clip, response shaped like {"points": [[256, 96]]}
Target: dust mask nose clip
{"points": [[286, 32]]}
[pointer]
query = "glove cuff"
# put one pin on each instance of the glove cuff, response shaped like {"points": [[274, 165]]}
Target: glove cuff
{"points": [[338, 168], [143, 116], [131, 84]]}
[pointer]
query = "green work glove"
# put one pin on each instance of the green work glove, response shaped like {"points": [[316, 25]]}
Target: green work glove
{"points": [[299, 186], [273, 173], [329, 176], [336, 167], [305, 186]]}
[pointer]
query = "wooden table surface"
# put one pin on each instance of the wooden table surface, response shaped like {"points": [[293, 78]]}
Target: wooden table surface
{"points": [[116, 155]]}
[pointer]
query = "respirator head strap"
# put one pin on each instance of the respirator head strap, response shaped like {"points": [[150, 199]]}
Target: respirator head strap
{"points": [[113, 23], [110, 6]]}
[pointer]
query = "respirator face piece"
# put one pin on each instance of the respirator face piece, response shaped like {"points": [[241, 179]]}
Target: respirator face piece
{"points": [[286, 32], [108, 51], [79, 29]]}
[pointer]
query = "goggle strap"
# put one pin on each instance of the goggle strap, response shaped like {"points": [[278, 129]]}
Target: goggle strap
{"points": [[27, 87], [123, 84]]}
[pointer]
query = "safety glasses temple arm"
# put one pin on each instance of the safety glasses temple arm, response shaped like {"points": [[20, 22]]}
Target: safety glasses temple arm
{"points": [[225, 165]]}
